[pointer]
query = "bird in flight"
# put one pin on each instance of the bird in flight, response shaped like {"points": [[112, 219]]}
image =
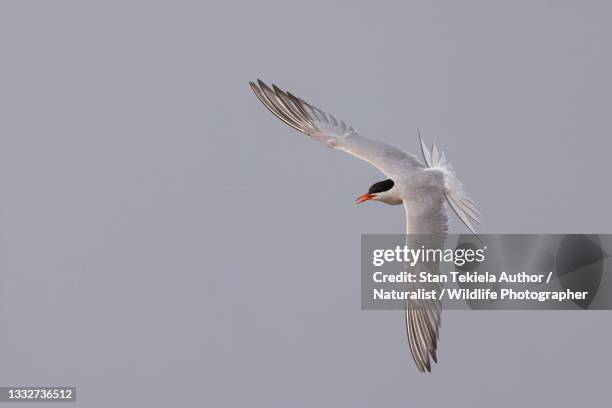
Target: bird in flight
{"points": [[422, 187]]}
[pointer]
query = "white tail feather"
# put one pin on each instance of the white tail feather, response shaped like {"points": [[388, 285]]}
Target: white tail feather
{"points": [[455, 194]]}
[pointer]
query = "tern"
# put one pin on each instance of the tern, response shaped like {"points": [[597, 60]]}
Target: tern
{"points": [[422, 187]]}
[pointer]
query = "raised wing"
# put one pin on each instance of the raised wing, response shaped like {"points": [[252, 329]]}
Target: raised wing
{"points": [[335, 133], [427, 224]]}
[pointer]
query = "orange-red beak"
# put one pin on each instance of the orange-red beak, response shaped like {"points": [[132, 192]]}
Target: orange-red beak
{"points": [[364, 198]]}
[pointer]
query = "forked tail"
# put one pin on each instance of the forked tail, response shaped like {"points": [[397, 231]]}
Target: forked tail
{"points": [[455, 194]]}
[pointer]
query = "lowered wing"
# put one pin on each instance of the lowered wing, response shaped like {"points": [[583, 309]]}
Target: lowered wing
{"points": [[427, 224]]}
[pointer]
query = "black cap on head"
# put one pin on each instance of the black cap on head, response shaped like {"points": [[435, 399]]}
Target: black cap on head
{"points": [[381, 186]]}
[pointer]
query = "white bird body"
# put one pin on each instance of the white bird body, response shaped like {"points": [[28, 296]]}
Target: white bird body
{"points": [[422, 187]]}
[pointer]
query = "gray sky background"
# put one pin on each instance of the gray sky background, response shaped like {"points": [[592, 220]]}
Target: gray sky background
{"points": [[165, 240]]}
